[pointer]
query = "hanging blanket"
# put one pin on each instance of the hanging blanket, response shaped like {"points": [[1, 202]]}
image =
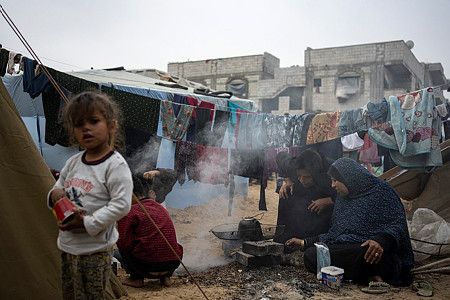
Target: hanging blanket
{"points": [[323, 127], [411, 133]]}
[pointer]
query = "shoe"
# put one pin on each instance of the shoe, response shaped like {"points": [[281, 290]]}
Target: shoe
{"points": [[377, 287], [423, 288]]}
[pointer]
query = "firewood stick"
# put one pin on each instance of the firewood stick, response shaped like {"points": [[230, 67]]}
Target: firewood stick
{"points": [[442, 261], [437, 270]]}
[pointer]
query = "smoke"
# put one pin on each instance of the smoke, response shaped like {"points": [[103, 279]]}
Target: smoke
{"points": [[145, 157]]}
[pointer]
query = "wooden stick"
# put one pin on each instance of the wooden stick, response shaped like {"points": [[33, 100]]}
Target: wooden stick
{"points": [[445, 260], [167, 242], [437, 270]]}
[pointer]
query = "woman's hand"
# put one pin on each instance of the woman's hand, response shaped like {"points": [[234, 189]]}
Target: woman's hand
{"points": [[318, 205], [374, 252], [295, 243], [76, 222], [287, 188]]}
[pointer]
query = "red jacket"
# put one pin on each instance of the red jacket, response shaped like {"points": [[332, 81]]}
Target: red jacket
{"points": [[138, 235]]}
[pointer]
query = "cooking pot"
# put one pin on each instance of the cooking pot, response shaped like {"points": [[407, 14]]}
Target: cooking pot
{"points": [[249, 229]]}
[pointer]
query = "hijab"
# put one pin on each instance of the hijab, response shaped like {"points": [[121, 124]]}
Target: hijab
{"points": [[371, 207]]}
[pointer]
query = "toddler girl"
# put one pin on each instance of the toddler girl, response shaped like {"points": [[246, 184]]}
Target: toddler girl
{"points": [[98, 181]]}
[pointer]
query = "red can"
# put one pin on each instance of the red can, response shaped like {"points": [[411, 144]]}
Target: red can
{"points": [[63, 210]]}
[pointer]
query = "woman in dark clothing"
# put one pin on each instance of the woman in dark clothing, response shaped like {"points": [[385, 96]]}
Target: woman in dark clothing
{"points": [[369, 236], [306, 200]]}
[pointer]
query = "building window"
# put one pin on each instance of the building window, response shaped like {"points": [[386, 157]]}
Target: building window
{"points": [[347, 87], [238, 87], [317, 82]]}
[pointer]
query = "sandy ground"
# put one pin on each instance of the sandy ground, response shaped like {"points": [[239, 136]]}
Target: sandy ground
{"points": [[205, 260]]}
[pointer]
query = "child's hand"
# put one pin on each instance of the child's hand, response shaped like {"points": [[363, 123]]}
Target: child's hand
{"points": [[57, 194], [76, 222]]}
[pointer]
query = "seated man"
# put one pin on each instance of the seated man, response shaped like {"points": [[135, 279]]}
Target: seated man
{"points": [[143, 251]]}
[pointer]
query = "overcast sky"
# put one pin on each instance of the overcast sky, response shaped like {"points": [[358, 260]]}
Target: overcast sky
{"points": [[76, 35]]}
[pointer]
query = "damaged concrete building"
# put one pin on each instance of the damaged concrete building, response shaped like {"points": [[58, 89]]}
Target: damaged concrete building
{"points": [[332, 79]]}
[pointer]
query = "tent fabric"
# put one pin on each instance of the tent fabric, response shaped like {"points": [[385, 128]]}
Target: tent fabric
{"points": [[30, 261], [424, 190]]}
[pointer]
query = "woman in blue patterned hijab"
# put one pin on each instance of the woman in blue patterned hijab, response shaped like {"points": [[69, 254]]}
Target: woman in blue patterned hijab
{"points": [[369, 236]]}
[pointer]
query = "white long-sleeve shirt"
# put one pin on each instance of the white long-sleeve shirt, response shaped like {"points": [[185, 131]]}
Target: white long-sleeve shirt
{"points": [[103, 189]]}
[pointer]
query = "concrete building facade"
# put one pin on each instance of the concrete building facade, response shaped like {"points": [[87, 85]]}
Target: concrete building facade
{"points": [[332, 79]]}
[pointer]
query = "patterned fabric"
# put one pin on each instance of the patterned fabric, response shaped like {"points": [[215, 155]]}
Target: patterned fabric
{"points": [[85, 276], [174, 128], [300, 124], [279, 131], [185, 155], [138, 235], [412, 134], [323, 127], [371, 207], [138, 111]]}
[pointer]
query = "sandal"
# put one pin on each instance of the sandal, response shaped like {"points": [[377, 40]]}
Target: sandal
{"points": [[377, 287], [423, 288]]}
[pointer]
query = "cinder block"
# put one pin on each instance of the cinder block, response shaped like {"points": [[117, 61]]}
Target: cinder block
{"points": [[262, 248], [257, 261]]}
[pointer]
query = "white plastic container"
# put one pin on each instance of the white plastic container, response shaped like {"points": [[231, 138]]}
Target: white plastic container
{"points": [[332, 277]]}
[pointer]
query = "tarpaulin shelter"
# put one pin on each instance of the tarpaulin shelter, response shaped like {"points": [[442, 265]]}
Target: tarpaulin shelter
{"points": [[424, 190]]}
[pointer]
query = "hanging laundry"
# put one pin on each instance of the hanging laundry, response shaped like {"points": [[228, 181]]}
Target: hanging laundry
{"points": [[219, 128], [138, 112], [185, 156], [351, 121], [174, 128], [14, 58], [53, 104], [411, 134], [203, 122], [323, 127], [368, 153], [256, 133], [4, 57], [300, 125], [279, 130], [33, 84]]}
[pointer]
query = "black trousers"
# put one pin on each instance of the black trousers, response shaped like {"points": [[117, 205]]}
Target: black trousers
{"points": [[139, 269], [350, 257]]}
